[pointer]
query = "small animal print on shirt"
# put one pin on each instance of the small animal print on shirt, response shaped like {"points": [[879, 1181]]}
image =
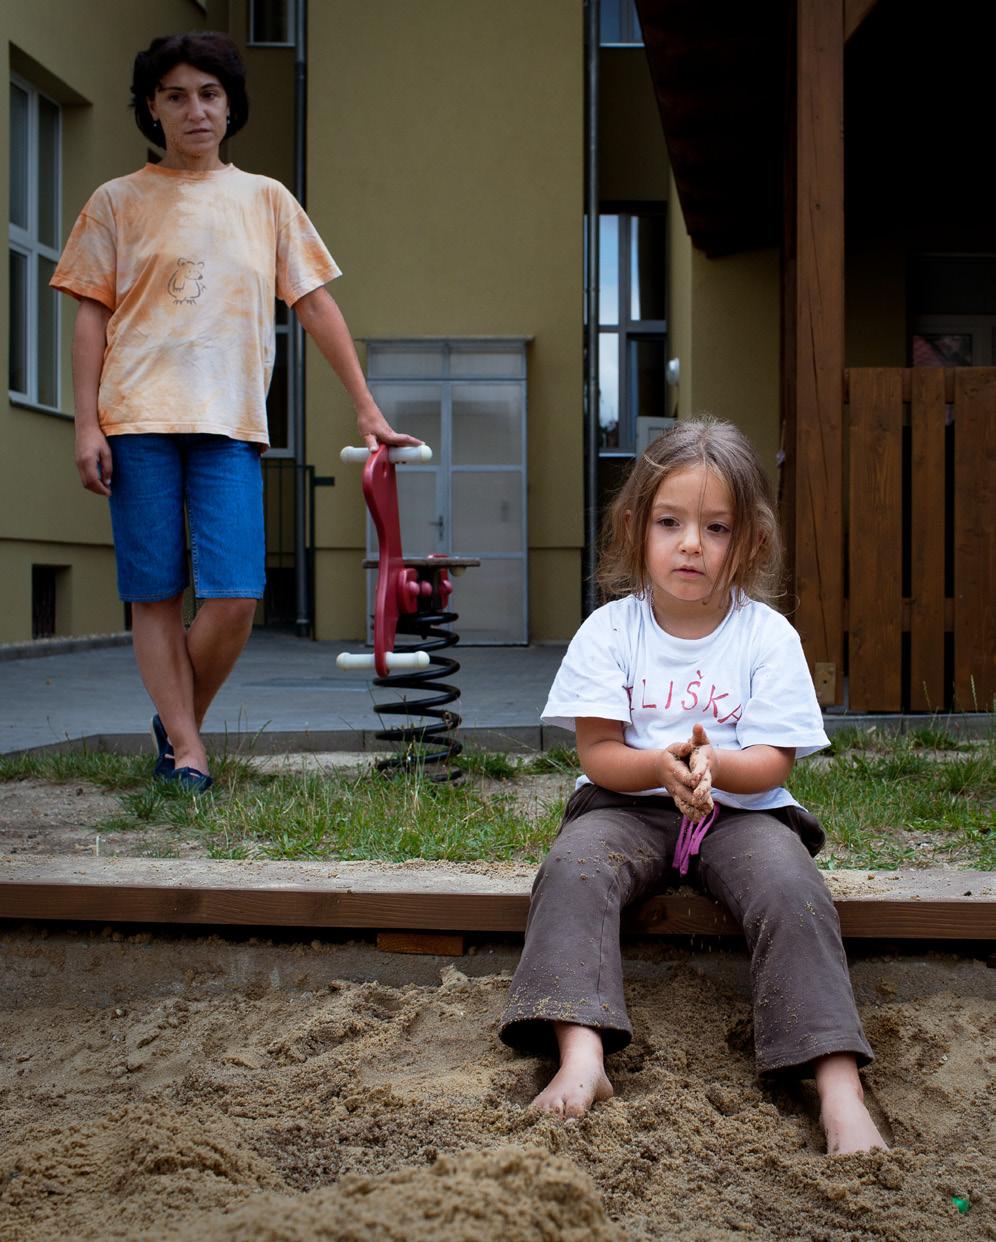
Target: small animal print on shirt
{"points": [[187, 283]]}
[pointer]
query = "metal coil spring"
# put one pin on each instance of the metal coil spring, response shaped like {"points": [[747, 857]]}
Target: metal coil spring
{"points": [[425, 745]]}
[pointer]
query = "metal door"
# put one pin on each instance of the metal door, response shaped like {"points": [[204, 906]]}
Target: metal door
{"points": [[468, 401]]}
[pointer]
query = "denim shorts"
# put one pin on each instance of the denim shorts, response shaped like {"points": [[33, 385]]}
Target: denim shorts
{"points": [[218, 484]]}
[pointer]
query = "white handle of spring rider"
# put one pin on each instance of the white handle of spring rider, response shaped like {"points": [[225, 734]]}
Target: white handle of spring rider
{"points": [[395, 659], [414, 453]]}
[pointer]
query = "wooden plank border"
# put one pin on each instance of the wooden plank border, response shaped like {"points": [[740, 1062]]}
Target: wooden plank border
{"points": [[927, 601], [974, 546], [935, 915], [875, 539]]}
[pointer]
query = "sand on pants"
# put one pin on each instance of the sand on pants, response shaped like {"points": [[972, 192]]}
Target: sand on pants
{"points": [[190, 1089]]}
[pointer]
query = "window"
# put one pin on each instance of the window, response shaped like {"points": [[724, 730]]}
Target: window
{"points": [[271, 23], [632, 326], [620, 23], [49, 596], [35, 220]]}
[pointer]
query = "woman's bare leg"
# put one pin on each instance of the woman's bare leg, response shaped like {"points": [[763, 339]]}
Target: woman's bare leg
{"points": [[184, 669], [846, 1122], [215, 641], [581, 1079]]}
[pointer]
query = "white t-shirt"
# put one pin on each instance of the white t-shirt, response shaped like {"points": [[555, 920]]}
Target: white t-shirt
{"points": [[747, 683]]}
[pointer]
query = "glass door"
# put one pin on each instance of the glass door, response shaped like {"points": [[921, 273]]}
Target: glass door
{"points": [[471, 499]]}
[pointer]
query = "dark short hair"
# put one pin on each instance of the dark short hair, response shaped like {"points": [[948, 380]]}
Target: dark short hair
{"points": [[754, 561], [207, 50]]}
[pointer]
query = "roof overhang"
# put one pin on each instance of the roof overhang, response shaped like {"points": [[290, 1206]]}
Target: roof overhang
{"points": [[719, 73]]}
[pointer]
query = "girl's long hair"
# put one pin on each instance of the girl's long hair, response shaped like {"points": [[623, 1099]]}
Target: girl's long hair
{"points": [[753, 565]]}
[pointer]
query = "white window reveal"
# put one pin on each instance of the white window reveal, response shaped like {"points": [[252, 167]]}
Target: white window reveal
{"points": [[35, 215], [467, 399]]}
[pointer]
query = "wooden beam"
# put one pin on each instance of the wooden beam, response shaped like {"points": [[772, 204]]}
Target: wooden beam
{"points": [[916, 904], [974, 546], [443, 944], [855, 12], [815, 329], [875, 595], [926, 620]]}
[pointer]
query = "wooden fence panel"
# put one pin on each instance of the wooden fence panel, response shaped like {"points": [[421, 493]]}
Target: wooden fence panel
{"points": [[974, 545], [927, 414], [875, 539]]}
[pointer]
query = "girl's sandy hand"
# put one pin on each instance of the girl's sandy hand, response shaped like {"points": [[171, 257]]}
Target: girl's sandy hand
{"points": [[675, 775], [700, 763]]}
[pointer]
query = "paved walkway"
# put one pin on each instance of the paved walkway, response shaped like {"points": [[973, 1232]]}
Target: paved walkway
{"points": [[286, 690], [286, 694]]}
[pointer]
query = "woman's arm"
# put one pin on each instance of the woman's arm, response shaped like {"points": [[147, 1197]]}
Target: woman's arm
{"points": [[93, 453], [609, 762], [322, 319]]}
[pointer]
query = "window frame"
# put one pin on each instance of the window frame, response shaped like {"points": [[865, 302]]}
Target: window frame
{"points": [[626, 330], [628, 26], [27, 243], [291, 15]]}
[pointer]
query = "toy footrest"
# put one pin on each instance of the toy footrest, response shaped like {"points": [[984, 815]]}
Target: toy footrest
{"points": [[456, 563], [395, 659]]}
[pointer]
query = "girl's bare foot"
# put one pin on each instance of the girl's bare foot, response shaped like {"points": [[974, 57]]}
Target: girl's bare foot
{"points": [[846, 1121], [581, 1080]]}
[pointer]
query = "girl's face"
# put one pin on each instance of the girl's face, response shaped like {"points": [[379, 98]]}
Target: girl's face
{"points": [[192, 108], [688, 539]]}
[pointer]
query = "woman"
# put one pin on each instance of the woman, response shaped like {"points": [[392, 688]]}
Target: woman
{"points": [[175, 268]]}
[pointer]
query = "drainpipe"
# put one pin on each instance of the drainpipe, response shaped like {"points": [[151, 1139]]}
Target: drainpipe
{"points": [[592, 43], [296, 340]]}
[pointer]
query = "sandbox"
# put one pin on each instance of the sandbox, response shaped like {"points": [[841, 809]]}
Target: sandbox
{"points": [[157, 1084]]}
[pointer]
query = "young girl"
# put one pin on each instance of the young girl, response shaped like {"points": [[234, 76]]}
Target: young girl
{"points": [[689, 694]]}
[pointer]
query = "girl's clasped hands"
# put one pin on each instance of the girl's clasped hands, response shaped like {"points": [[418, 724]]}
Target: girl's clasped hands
{"points": [[687, 774]]}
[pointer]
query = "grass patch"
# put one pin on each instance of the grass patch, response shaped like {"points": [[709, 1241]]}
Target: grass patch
{"points": [[885, 801], [366, 817], [107, 771], [896, 807]]}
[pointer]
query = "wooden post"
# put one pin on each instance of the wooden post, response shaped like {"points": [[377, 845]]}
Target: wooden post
{"points": [[814, 340]]}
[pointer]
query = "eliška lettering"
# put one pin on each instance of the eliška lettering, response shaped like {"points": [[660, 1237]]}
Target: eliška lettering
{"points": [[690, 698]]}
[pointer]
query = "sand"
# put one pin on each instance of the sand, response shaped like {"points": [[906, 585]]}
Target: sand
{"points": [[157, 1088]]}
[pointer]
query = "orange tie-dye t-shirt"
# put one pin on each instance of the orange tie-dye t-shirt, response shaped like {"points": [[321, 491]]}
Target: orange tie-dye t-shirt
{"points": [[189, 264]]}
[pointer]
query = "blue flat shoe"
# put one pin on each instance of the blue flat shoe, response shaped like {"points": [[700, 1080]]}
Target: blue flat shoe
{"points": [[164, 751], [191, 780]]}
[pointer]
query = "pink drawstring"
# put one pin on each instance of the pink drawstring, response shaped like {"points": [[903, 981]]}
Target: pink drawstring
{"points": [[690, 837]]}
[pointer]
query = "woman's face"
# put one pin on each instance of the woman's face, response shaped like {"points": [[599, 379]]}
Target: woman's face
{"points": [[192, 108]]}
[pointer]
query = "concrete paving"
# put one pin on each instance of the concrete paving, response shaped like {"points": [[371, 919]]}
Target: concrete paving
{"points": [[285, 694]]}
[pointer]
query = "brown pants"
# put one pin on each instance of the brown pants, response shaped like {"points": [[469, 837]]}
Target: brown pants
{"points": [[613, 850]]}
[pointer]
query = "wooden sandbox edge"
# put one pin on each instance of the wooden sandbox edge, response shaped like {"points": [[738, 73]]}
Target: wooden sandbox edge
{"points": [[924, 905]]}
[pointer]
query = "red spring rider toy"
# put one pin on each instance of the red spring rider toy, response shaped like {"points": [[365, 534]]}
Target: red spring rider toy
{"points": [[412, 597]]}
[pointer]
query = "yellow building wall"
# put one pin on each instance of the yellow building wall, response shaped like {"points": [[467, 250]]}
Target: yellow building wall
{"points": [[445, 165], [81, 55], [725, 328]]}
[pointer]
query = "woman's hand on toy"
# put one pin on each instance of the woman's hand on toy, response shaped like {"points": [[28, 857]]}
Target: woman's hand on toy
{"points": [[374, 427]]}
